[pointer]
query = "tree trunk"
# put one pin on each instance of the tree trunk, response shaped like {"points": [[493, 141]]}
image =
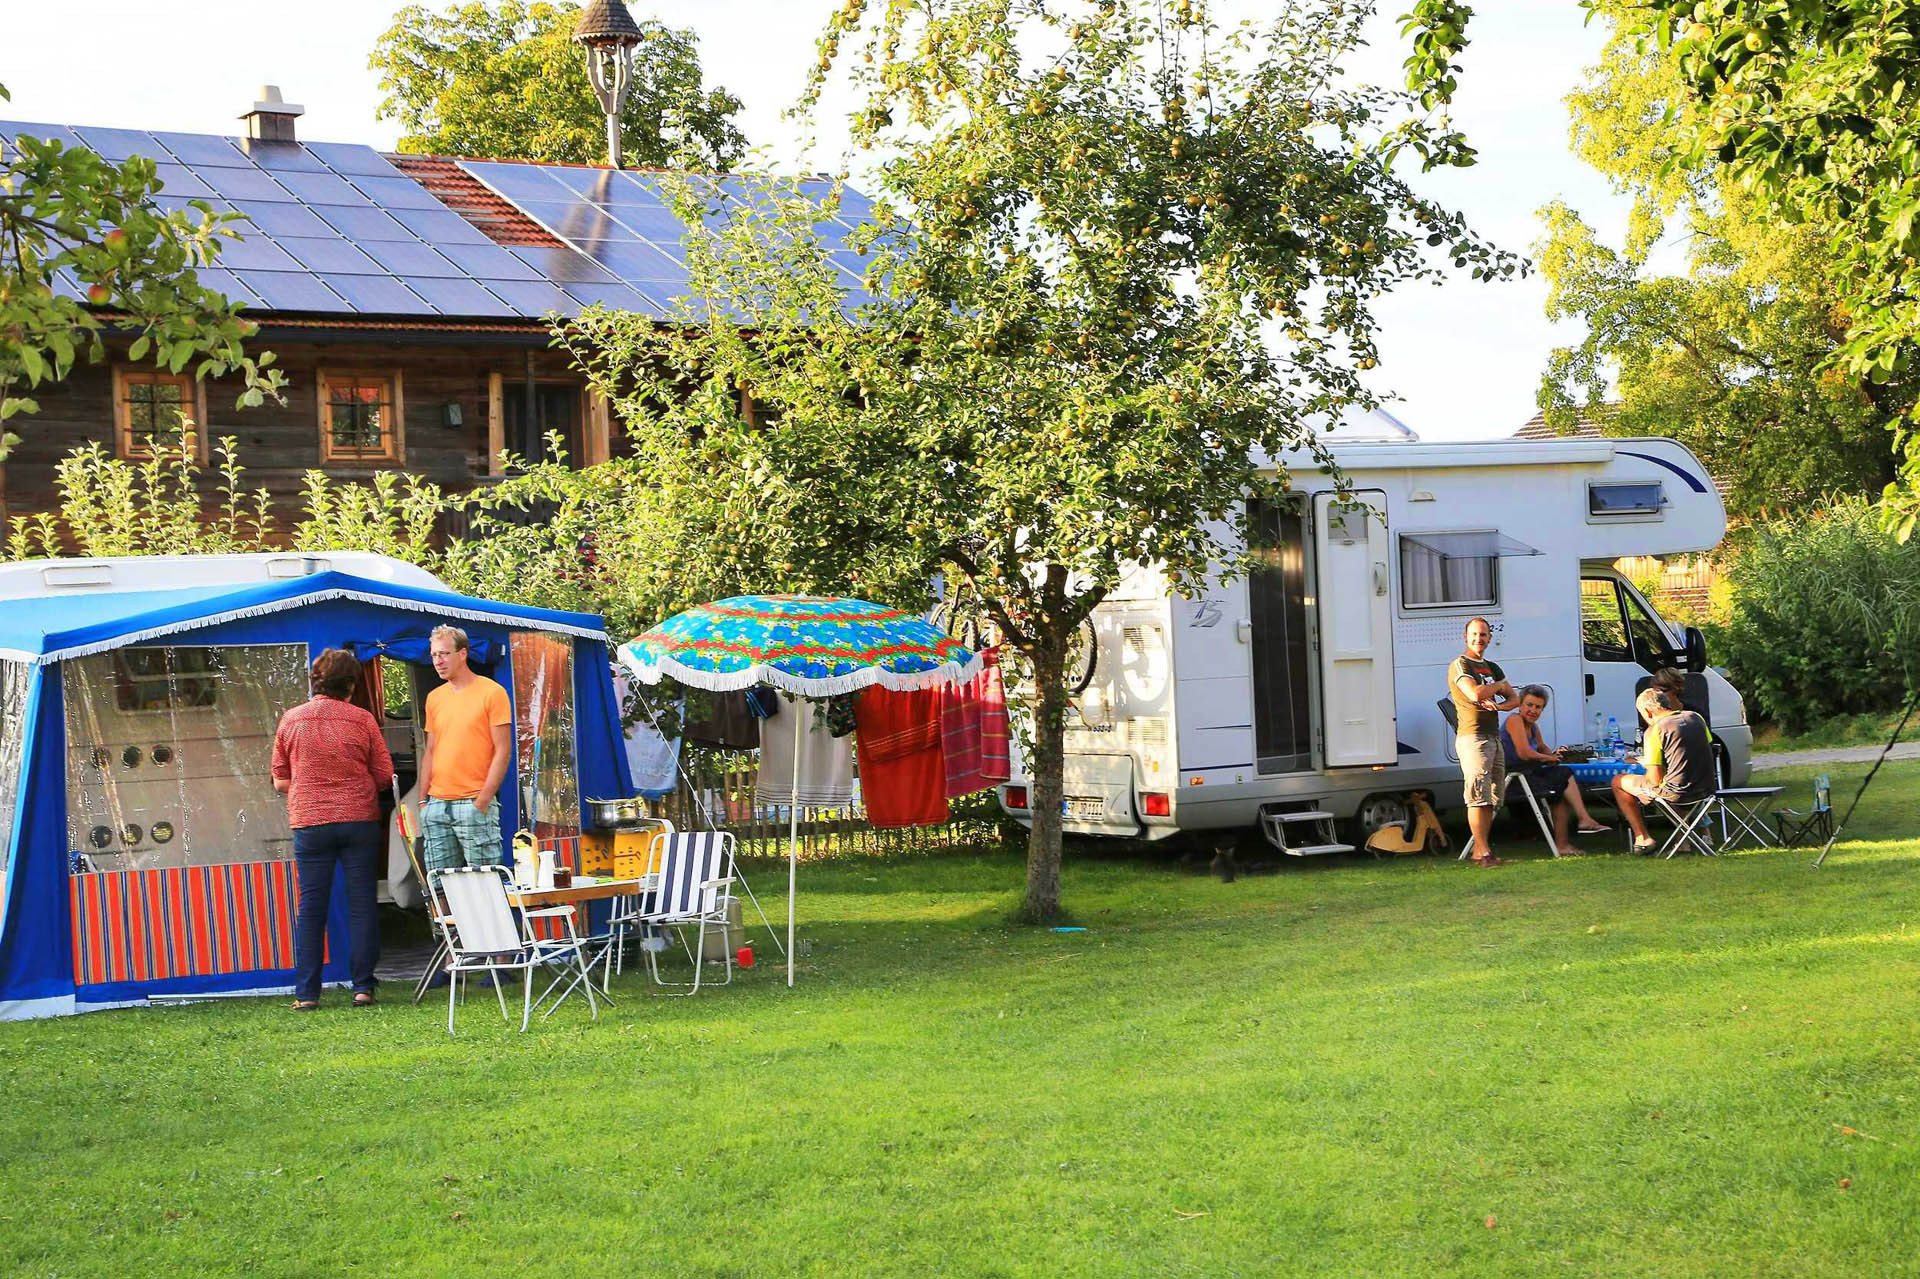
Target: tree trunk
{"points": [[1042, 904]]}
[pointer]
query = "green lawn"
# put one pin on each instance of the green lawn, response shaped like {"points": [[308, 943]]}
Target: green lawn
{"points": [[1605, 1066], [1869, 729]]}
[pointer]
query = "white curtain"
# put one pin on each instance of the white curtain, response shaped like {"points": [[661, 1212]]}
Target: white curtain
{"points": [[1428, 577]]}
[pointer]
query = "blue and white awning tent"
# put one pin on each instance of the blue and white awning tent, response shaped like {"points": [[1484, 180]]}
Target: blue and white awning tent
{"points": [[145, 852]]}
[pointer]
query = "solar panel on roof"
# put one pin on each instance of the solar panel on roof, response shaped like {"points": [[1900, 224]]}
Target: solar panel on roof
{"points": [[362, 223], [199, 148], [440, 226], [44, 132], [284, 219], [615, 297], [563, 265], [227, 284], [291, 291], [656, 222], [580, 220], [397, 193], [410, 258], [534, 297], [118, 144], [179, 180], [381, 294], [243, 184], [350, 159], [458, 297], [281, 157], [257, 253], [593, 184], [517, 182], [331, 255], [487, 262], [320, 188], [185, 204], [634, 260]]}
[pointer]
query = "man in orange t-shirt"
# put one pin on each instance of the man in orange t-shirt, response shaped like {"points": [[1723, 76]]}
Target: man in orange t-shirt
{"points": [[469, 743]]}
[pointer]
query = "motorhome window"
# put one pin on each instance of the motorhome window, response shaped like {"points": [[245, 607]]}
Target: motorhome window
{"points": [[1603, 631], [179, 775], [543, 732], [1645, 498], [1652, 647], [1430, 578]]}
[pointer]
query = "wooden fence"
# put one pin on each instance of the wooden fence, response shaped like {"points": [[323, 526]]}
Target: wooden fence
{"points": [[718, 792]]}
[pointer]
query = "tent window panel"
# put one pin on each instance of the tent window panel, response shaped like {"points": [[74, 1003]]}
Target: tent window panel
{"points": [[1431, 579], [14, 682], [543, 728], [169, 752]]}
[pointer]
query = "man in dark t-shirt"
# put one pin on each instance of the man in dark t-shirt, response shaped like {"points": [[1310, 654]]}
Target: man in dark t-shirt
{"points": [[1480, 690], [1679, 763]]}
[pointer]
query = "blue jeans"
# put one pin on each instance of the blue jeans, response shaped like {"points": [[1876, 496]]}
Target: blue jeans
{"points": [[355, 848]]}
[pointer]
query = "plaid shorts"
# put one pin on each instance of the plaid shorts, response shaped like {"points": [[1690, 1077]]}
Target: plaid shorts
{"points": [[1483, 767], [456, 833]]}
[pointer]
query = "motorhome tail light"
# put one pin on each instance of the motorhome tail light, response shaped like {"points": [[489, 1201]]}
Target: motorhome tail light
{"points": [[1016, 797], [1156, 804]]}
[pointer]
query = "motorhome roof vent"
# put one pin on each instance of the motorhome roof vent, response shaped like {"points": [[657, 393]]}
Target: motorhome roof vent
{"points": [[76, 576], [297, 566]]}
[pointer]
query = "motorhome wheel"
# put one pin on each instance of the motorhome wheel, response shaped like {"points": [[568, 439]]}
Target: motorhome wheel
{"points": [[1377, 812]]}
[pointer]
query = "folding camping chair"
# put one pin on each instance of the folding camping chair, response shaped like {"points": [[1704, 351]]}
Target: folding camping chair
{"points": [[1813, 826], [1534, 805], [486, 937], [1692, 825], [696, 876]]}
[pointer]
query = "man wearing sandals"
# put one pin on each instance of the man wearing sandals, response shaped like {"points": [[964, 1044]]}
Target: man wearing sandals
{"points": [[1480, 690], [1679, 764], [469, 743]]}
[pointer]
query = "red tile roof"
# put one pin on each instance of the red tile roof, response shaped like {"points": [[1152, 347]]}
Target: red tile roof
{"points": [[469, 197]]}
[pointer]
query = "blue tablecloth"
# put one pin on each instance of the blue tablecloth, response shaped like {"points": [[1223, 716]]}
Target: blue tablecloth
{"points": [[1600, 771]]}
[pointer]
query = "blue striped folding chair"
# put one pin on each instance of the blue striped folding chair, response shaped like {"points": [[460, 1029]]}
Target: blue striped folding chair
{"points": [[694, 894]]}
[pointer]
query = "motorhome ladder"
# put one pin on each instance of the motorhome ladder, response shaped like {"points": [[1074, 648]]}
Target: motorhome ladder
{"points": [[1287, 831]]}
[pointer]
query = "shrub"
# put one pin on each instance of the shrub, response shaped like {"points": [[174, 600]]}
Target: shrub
{"points": [[1825, 616]]}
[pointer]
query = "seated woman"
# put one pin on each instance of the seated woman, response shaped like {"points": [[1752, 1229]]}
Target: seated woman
{"points": [[1527, 751]]}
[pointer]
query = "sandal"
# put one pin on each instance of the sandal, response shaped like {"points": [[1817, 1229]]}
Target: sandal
{"points": [[364, 999], [1486, 861], [304, 1005], [1595, 829]]}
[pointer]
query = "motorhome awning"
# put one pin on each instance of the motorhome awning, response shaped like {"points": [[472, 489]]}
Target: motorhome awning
{"points": [[1468, 546]]}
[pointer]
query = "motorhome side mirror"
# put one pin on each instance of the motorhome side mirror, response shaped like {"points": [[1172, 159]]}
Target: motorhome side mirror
{"points": [[1696, 652]]}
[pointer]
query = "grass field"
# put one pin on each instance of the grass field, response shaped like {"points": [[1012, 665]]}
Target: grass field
{"points": [[1870, 729], [1604, 1066]]}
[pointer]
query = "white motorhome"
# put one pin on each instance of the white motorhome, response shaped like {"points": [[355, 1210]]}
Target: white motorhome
{"points": [[1307, 691]]}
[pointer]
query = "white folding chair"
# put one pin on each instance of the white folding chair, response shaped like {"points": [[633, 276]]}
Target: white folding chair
{"points": [[1534, 805], [628, 915], [696, 876], [487, 937]]}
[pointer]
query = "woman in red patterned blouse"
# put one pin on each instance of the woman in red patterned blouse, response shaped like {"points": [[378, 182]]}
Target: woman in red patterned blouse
{"points": [[331, 762]]}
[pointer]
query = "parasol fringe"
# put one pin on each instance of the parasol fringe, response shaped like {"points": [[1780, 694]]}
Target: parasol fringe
{"points": [[651, 672]]}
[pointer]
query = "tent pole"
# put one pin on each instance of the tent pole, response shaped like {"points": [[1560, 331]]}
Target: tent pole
{"points": [[793, 833]]}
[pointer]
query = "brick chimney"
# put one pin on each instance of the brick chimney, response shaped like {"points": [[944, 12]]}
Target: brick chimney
{"points": [[271, 119]]}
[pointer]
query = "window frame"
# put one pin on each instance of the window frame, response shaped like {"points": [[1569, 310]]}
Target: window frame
{"points": [[193, 401], [1400, 565], [1591, 652], [1628, 514], [395, 451]]}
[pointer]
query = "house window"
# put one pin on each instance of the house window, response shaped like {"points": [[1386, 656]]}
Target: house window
{"points": [[361, 418], [1446, 571], [155, 413]]}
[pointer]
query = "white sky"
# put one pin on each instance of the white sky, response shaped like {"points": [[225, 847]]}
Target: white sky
{"points": [[1464, 358]]}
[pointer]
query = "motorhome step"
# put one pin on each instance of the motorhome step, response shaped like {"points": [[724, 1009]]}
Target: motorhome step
{"points": [[1315, 850], [1315, 815]]}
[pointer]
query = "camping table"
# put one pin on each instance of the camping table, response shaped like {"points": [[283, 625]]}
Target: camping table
{"points": [[1597, 774], [1740, 805], [576, 894]]}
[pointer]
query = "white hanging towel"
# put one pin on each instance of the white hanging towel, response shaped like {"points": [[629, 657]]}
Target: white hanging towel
{"points": [[825, 773], [653, 760]]}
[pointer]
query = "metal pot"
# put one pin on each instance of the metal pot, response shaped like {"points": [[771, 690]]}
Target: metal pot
{"points": [[616, 812]]}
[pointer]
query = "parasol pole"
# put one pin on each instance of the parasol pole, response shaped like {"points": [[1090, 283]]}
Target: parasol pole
{"points": [[793, 835]]}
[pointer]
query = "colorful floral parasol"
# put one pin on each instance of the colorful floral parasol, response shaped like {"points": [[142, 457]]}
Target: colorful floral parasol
{"points": [[811, 645]]}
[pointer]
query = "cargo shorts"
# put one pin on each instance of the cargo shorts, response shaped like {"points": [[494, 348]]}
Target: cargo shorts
{"points": [[456, 833], [1483, 767]]}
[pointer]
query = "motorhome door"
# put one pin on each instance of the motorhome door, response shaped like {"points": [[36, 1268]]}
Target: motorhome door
{"points": [[1356, 629]]}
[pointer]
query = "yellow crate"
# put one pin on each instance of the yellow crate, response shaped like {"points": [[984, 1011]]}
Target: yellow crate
{"points": [[596, 853]]}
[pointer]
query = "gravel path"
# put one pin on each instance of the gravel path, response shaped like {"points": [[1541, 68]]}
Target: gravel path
{"points": [[1843, 755]]}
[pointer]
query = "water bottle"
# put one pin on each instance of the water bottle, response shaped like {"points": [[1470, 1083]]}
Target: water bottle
{"points": [[1598, 738], [1614, 741]]}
